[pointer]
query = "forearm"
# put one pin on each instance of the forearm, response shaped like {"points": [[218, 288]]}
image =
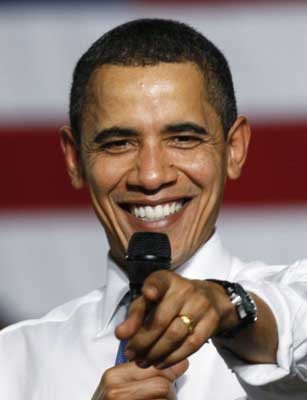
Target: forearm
{"points": [[258, 342], [284, 375]]}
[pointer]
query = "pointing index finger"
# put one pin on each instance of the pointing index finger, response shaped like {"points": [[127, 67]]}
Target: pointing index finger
{"points": [[157, 284]]}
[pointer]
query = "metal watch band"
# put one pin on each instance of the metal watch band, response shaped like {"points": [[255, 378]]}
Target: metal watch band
{"points": [[245, 306]]}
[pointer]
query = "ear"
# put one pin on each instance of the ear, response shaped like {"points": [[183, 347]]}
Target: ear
{"points": [[72, 157], [237, 146]]}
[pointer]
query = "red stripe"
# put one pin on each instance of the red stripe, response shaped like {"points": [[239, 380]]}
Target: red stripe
{"points": [[276, 169], [33, 174]]}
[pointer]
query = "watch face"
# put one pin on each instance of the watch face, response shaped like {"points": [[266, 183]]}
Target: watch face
{"points": [[248, 306], [242, 312]]}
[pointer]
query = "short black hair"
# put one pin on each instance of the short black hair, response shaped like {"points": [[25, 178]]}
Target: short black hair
{"points": [[144, 42]]}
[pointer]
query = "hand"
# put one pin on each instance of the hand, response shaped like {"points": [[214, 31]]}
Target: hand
{"points": [[128, 381], [157, 335]]}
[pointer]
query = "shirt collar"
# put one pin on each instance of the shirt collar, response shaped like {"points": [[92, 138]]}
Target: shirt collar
{"points": [[116, 286], [210, 261]]}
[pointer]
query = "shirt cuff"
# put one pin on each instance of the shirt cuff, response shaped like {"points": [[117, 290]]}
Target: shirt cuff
{"points": [[261, 374]]}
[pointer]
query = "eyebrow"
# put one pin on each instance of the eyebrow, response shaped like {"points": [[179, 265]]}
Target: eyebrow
{"points": [[121, 132], [185, 127], [114, 131]]}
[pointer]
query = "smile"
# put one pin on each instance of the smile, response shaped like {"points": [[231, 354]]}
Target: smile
{"points": [[160, 211], [157, 212]]}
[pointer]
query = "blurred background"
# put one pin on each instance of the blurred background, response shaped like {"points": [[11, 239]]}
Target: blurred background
{"points": [[51, 246]]}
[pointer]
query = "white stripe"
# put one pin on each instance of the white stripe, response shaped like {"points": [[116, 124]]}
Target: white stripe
{"points": [[266, 46], [51, 258]]}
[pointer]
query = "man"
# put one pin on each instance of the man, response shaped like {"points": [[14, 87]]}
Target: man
{"points": [[154, 135]]}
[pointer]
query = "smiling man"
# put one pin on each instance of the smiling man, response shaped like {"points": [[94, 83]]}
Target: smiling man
{"points": [[154, 136], [154, 154]]}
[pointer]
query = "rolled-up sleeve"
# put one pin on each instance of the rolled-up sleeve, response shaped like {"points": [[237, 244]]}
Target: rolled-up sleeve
{"points": [[284, 289]]}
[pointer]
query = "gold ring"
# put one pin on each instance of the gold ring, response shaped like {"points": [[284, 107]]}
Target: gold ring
{"points": [[188, 322]]}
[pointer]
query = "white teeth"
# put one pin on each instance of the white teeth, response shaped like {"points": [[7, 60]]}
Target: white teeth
{"points": [[160, 211], [149, 212], [166, 209]]}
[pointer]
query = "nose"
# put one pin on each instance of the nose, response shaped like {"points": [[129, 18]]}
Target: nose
{"points": [[153, 168]]}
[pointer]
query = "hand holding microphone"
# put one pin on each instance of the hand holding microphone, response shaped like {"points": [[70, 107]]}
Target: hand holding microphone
{"points": [[171, 316]]}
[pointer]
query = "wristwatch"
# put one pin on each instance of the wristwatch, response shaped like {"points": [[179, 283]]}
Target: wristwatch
{"points": [[245, 306]]}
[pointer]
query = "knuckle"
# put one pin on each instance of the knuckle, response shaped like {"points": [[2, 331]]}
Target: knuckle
{"points": [[193, 342], [110, 393], [173, 334], [155, 277], [184, 290], [189, 286], [158, 321], [163, 386], [202, 301], [216, 316], [107, 376]]}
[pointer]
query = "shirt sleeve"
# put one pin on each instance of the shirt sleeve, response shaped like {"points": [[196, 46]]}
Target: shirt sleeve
{"points": [[284, 289]]}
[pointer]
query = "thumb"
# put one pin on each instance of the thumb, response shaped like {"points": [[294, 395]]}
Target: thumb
{"points": [[175, 371], [180, 368]]}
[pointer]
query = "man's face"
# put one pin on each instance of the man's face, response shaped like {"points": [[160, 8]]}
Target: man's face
{"points": [[154, 155]]}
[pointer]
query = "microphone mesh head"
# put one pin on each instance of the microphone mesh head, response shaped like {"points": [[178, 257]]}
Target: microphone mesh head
{"points": [[149, 243]]}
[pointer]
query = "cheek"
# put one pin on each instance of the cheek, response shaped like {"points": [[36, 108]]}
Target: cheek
{"points": [[203, 168], [103, 176]]}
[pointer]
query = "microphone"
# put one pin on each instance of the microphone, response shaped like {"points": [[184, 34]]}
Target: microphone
{"points": [[147, 252]]}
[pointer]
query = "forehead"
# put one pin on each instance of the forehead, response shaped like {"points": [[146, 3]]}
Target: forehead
{"points": [[166, 91], [148, 81], [130, 76]]}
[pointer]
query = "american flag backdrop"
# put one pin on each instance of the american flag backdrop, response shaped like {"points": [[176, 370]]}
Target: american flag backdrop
{"points": [[51, 246]]}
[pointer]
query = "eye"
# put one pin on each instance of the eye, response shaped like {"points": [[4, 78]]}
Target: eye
{"points": [[117, 146], [185, 141]]}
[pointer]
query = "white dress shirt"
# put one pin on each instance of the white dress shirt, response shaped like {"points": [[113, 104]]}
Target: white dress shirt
{"points": [[64, 354]]}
